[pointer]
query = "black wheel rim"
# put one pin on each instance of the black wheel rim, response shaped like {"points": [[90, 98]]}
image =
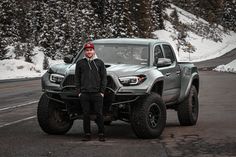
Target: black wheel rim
{"points": [[60, 118], [154, 114]]}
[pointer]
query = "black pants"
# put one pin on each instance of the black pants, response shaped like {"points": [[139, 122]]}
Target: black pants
{"points": [[86, 101]]}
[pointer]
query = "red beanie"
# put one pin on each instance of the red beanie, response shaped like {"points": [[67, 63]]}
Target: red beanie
{"points": [[89, 45]]}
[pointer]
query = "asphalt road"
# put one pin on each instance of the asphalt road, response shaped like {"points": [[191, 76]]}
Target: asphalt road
{"points": [[214, 134], [212, 63]]}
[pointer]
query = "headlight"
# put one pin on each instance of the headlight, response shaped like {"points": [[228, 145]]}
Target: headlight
{"points": [[132, 80], [56, 78]]}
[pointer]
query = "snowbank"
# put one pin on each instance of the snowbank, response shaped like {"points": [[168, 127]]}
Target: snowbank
{"points": [[231, 67], [13, 68]]}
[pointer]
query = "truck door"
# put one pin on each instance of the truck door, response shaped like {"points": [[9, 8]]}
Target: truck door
{"points": [[171, 74]]}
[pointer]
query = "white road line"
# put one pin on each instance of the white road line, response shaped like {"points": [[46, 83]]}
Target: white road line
{"points": [[21, 105], [18, 121]]}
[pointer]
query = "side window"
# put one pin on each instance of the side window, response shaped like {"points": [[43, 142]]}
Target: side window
{"points": [[158, 52], [169, 53]]}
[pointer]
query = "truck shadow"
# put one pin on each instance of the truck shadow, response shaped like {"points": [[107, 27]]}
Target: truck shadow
{"points": [[117, 130]]}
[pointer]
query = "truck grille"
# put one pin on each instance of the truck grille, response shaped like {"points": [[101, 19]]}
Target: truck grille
{"points": [[110, 83], [70, 80]]}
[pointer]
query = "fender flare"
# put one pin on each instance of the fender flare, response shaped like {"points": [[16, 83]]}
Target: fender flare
{"points": [[159, 79], [194, 76]]}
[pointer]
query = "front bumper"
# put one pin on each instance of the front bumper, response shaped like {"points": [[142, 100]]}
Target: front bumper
{"points": [[115, 92]]}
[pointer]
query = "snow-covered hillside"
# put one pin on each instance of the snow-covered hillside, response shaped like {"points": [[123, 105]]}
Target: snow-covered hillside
{"points": [[205, 48]]}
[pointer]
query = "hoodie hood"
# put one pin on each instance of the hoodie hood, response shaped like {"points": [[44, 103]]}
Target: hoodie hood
{"points": [[92, 58]]}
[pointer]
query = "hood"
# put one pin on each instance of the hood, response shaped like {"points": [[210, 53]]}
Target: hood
{"points": [[118, 69], [60, 68], [126, 69]]}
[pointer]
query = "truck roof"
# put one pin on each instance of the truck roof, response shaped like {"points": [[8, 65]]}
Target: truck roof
{"points": [[129, 41]]}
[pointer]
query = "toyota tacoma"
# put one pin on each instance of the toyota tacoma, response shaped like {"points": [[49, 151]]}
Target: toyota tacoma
{"points": [[144, 79]]}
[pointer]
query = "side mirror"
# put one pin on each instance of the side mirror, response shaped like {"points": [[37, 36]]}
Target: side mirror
{"points": [[68, 59], [162, 62]]}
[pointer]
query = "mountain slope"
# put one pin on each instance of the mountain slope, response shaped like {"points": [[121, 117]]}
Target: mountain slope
{"points": [[193, 39]]}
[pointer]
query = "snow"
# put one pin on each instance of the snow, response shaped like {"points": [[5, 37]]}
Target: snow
{"points": [[185, 16], [38, 58], [204, 49], [10, 52], [231, 67], [13, 68]]}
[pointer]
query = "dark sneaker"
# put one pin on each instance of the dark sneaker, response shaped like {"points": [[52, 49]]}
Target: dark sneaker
{"points": [[87, 137], [101, 137]]}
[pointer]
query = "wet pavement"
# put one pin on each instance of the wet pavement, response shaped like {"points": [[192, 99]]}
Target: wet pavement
{"points": [[213, 136]]}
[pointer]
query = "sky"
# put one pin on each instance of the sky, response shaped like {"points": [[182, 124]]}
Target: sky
{"points": [[204, 49]]}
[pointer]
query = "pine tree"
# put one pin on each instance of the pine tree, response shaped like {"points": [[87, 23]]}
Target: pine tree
{"points": [[157, 11], [28, 48], [50, 36], [22, 20], [8, 24], [99, 9], [143, 17], [3, 50], [35, 18], [45, 63], [229, 14], [175, 19], [62, 27], [19, 51], [210, 10], [118, 18], [109, 24]]}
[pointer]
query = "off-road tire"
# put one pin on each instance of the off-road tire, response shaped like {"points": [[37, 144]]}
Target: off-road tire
{"points": [[189, 108], [51, 118], [148, 118]]}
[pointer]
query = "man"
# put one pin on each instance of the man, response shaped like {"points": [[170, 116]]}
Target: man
{"points": [[90, 81]]}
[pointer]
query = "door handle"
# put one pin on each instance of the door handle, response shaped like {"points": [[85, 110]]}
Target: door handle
{"points": [[177, 72], [168, 74]]}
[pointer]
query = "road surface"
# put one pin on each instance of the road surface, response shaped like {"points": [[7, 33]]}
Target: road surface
{"points": [[213, 136], [212, 63]]}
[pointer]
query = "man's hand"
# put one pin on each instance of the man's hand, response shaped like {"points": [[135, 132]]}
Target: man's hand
{"points": [[79, 94], [102, 94]]}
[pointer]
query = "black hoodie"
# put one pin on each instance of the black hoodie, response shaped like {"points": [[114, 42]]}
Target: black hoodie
{"points": [[90, 76]]}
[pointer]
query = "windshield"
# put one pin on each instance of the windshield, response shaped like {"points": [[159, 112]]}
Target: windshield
{"points": [[122, 53]]}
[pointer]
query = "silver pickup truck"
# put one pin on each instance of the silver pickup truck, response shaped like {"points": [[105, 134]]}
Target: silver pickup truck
{"points": [[144, 79]]}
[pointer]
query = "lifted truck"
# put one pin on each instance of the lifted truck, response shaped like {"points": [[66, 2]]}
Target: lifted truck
{"points": [[144, 79]]}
